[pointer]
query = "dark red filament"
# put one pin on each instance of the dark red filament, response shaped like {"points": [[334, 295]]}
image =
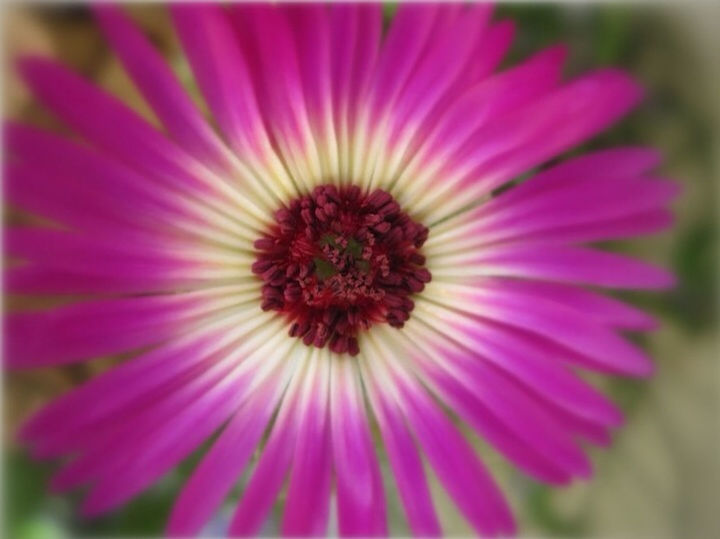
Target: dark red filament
{"points": [[338, 261]]}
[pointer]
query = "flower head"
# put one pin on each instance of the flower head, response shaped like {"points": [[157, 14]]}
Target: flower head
{"points": [[331, 251]]}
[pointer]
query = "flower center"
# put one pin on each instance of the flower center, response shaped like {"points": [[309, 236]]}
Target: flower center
{"points": [[337, 261]]}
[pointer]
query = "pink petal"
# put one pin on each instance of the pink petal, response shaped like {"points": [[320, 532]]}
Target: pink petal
{"points": [[167, 428], [640, 224], [455, 462], [221, 467], [440, 67], [159, 85], [535, 461], [274, 463], [490, 50], [267, 479], [93, 329], [210, 47], [135, 381], [493, 98], [402, 47], [536, 369], [311, 26], [166, 448], [615, 163], [308, 496], [43, 280], [360, 493], [530, 135], [73, 180], [356, 30], [571, 264], [95, 256], [583, 202], [406, 463], [90, 111], [601, 308], [561, 324], [275, 70], [549, 126]]}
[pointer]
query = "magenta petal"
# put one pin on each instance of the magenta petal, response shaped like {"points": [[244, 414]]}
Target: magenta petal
{"points": [[169, 447], [440, 67], [93, 329], [268, 42], [220, 468], [159, 85], [585, 202], [498, 434], [579, 427], [616, 163], [599, 307], [73, 180], [265, 484], [311, 26], [573, 264], [456, 464], [407, 466], [563, 325], [528, 136], [401, 49], [129, 383], [90, 111], [360, 493], [491, 48], [549, 126], [504, 412], [95, 256], [355, 38], [494, 97], [131, 140], [270, 473], [210, 46], [163, 430], [308, 496], [41, 280], [640, 224], [540, 372], [163, 427], [69, 203]]}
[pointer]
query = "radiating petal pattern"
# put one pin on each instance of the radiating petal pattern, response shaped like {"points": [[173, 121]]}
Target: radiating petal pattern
{"points": [[373, 237]]}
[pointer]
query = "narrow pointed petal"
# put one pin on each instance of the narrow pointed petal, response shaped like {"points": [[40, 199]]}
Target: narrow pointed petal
{"points": [[277, 456], [360, 493], [308, 497], [224, 463], [159, 85], [404, 458]]}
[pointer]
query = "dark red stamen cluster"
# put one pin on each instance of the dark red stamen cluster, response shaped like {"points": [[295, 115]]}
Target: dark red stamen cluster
{"points": [[339, 260]]}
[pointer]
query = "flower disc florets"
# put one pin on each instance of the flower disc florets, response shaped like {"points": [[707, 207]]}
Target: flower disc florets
{"points": [[339, 260]]}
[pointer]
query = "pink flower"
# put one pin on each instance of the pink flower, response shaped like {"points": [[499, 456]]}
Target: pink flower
{"points": [[331, 248]]}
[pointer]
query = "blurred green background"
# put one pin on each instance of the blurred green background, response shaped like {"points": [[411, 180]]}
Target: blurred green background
{"points": [[662, 473]]}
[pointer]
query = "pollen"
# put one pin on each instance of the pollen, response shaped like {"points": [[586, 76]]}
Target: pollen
{"points": [[339, 260]]}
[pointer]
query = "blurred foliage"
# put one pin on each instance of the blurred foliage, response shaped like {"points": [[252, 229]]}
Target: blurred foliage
{"points": [[629, 37], [26, 499], [695, 262]]}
